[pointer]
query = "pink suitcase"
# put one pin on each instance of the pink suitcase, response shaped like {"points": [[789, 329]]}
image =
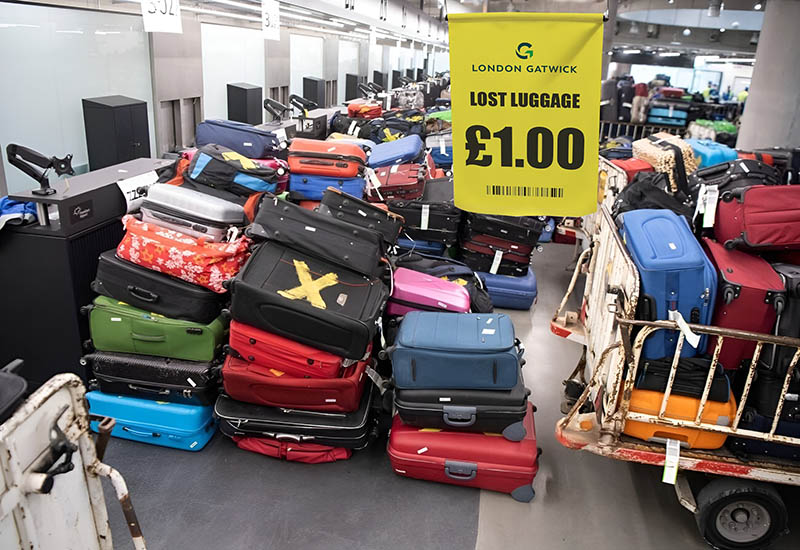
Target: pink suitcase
{"points": [[413, 290]]}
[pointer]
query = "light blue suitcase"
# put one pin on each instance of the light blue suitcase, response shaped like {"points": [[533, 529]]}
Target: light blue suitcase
{"points": [[456, 351], [676, 275], [666, 121], [668, 113], [511, 292], [313, 187], [708, 152], [187, 427], [402, 151]]}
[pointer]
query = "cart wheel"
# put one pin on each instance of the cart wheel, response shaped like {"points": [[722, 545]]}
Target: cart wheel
{"points": [[739, 514]]}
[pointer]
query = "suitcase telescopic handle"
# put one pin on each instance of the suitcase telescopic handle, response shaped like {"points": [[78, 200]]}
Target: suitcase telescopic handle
{"points": [[140, 433], [148, 337], [460, 471], [461, 417], [142, 294], [143, 389]]}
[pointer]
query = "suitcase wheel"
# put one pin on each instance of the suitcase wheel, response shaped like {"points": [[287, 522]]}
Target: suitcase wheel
{"points": [[523, 494]]}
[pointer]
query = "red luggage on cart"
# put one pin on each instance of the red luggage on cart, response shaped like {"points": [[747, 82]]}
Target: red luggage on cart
{"points": [[292, 451], [336, 159], [261, 385], [751, 295], [276, 352], [485, 461], [632, 166], [672, 92], [490, 251], [364, 108], [763, 217], [399, 181]]}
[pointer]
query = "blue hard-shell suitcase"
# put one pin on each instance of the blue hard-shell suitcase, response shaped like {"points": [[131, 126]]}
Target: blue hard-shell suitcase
{"points": [[402, 151], [708, 152], [511, 292], [666, 121], [187, 427], [243, 138], [456, 351], [546, 235], [675, 275], [426, 247], [313, 187], [668, 113], [751, 420]]}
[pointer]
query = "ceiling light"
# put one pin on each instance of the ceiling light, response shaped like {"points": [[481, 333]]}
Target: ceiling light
{"points": [[221, 14], [70, 32], [240, 5], [669, 54], [687, 31], [735, 24], [312, 20], [344, 21], [670, 1], [632, 51], [301, 11], [757, 6], [722, 29]]}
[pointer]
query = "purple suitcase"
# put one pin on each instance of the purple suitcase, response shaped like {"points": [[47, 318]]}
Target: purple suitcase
{"points": [[413, 290]]}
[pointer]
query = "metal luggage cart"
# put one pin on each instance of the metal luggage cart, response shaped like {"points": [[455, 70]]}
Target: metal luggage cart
{"points": [[737, 508]]}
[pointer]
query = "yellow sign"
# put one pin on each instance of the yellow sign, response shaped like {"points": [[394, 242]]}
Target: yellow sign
{"points": [[309, 288], [526, 112]]}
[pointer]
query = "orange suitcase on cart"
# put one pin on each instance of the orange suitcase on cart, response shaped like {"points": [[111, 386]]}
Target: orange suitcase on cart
{"points": [[679, 407]]}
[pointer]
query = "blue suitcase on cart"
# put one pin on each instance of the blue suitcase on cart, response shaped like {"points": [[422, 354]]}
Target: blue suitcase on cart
{"points": [[426, 247], [546, 235], [674, 114], [708, 152], [402, 151], [456, 351], [313, 187], [675, 275], [187, 427], [245, 139], [511, 292], [441, 148], [751, 420]]}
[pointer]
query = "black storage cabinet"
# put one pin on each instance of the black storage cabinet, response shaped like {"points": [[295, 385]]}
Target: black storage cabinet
{"points": [[314, 90], [116, 130], [244, 103], [381, 79]]}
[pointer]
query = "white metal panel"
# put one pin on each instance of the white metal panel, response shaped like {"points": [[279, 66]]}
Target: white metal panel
{"points": [[230, 54], [348, 63], [305, 59]]}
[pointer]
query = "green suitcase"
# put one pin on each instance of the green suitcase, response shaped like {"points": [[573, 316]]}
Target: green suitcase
{"points": [[116, 326]]}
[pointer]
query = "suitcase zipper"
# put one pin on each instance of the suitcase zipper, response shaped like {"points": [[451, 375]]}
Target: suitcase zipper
{"points": [[185, 216], [109, 378], [327, 156], [416, 305]]}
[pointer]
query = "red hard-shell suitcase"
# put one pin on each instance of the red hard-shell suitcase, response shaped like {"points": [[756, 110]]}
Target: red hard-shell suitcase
{"points": [[484, 461], [292, 451], [399, 181], [763, 217], [750, 295], [364, 108], [252, 383], [671, 92], [326, 158], [276, 352], [632, 167]]}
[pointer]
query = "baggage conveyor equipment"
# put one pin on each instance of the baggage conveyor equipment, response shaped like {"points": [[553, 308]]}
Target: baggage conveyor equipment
{"points": [[737, 507]]}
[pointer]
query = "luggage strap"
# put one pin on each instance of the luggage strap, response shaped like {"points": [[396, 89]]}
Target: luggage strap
{"points": [[680, 169]]}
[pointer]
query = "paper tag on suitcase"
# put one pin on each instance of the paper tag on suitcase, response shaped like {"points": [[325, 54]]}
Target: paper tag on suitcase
{"points": [[280, 133], [394, 169], [671, 462], [352, 127], [711, 200], [426, 212], [498, 255], [442, 150], [691, 337]]}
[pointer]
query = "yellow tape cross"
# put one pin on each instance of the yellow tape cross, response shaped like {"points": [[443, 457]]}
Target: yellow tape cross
{"points": [[246, 163], [309, 288]]}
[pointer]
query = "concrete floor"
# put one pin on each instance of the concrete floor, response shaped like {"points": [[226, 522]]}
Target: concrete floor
{"points": [[222, 497]]}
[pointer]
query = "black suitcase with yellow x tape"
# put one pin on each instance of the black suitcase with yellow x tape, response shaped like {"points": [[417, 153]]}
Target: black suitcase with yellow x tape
{"points": [[308, 300]]}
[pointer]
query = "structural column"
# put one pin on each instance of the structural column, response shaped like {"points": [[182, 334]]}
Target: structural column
{"points": [[772, 112]]}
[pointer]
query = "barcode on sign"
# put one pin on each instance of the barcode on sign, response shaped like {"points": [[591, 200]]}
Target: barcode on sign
{"points": [[525, 191]]}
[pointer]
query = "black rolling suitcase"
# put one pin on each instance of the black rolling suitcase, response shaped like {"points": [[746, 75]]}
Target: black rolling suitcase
{"points": [[734, 174], [690, 378], [326, 237], [494, 411], [12, 389], [520, 229], [480, 261], [314, 302], [624, 99], [359, 212], [787, 162], [151, 377], [155, 292], [434, 217], [346, 430], [788, 323]]}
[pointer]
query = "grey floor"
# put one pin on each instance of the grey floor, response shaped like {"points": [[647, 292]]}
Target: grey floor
{"points": [[222, 497]]}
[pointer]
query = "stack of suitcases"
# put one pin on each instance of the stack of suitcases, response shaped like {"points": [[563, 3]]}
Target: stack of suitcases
{"points": [[463, 415], [499, 248], [316, 165], [668, 108]]}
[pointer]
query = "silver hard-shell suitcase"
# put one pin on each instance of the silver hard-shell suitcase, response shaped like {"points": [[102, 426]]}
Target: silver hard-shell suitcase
{"points": [[191, 212]]}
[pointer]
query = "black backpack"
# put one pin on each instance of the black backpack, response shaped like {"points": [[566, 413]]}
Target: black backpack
{"points": [[649, 190]]}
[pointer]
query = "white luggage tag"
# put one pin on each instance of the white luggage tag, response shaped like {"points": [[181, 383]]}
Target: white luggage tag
{"points": [[424, 216], [691, 337], [711, 200], [498, 255], [377, 379], [232, 233], [671, 461], [671, 110], [442, 150], [280, 133], [701, 201], [374, 182], [352, 127], [394, 168]]}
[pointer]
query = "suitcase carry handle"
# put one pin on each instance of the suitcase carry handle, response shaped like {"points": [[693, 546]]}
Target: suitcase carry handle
{"points": [[460, 417], [142, 294], [13, 367], [148, 337], [140, 434], [460, 471], [143, 389]]}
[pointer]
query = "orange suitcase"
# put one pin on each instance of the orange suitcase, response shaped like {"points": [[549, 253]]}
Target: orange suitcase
{"points": [[326, 158], [680, 407]]}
